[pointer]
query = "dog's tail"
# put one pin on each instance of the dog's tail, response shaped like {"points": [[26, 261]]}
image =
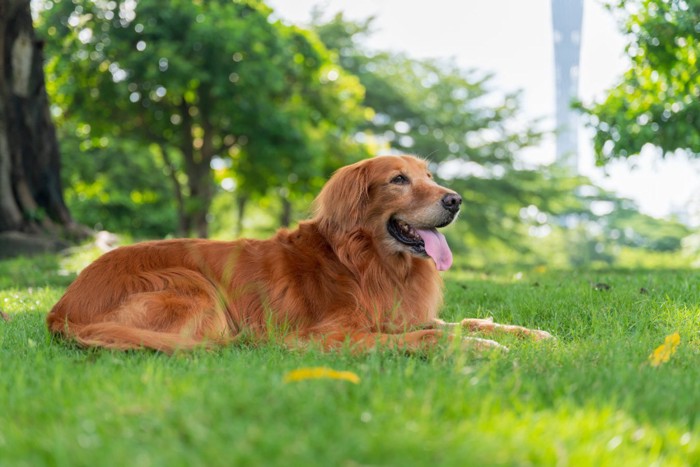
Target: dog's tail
{"points": [[118, 336]]}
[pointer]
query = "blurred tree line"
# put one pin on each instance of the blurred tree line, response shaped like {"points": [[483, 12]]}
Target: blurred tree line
{"points": [[189, 87], [191, 117], [656, 103]]}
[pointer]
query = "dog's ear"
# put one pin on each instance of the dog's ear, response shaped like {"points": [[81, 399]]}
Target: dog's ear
{"points": [[343, 200]]}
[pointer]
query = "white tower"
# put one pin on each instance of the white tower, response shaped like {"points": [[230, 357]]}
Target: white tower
{"points": [[567, 16]]}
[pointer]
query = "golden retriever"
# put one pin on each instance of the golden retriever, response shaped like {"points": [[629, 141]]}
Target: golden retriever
{"points": [[363, 272]]}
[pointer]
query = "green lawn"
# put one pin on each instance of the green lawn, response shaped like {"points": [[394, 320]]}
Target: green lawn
{"points": [[591, 398]]}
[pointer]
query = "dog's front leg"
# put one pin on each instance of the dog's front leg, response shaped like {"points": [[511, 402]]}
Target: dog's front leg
{"points": [[476, 342], [488, 326], [413, 341]]}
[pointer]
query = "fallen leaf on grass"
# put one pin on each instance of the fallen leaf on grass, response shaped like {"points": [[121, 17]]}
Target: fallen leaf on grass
{"points": [[301, 374], [663, 353], [5, 316]]}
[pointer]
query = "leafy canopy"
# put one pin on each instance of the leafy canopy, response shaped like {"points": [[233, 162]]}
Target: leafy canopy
{"points": [[203, 81], [658, 99]]}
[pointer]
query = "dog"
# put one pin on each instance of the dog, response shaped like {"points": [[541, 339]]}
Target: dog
{"points": [[363, 272]]}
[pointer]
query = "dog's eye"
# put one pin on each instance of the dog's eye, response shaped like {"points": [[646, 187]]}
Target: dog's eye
{"points": [[400, 180]]}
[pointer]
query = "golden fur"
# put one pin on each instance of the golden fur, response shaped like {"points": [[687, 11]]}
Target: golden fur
{"points": [[338, 278]]}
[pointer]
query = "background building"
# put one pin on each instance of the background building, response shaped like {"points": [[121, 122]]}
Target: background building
{"points": [[567, 16]]}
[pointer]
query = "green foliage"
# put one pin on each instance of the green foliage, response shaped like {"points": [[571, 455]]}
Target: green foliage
{"points": [[611, 230], [591, 394], [431, 108], [657, 100], [178, 115], [117, 185], [202, 81], [595, 229], [634, 229], [438, 110]]}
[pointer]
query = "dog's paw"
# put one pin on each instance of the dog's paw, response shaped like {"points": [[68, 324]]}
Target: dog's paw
{"points": [[539, 335], [479, 324], [481, 345], [487, 325]]}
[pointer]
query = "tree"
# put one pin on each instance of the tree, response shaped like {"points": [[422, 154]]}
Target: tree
{"points": [[435, 109], [31, 198], [656, 102], [111, 192], [215, 83]]}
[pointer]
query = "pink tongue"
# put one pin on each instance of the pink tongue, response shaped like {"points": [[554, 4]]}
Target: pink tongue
{"points": [[436, 247]]}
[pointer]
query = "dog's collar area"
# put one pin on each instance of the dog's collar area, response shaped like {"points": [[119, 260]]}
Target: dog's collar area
{"points": [[406, 234]]}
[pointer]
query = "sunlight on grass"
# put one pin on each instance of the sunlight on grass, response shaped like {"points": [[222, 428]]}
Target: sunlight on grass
{"points": [[77, 259], [597, 435]]}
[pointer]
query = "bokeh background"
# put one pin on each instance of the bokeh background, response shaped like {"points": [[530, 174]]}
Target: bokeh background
{"points": [[570, 127]]}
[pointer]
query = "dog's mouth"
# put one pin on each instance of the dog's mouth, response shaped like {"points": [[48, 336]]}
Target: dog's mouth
{"points": [[422, 242]]}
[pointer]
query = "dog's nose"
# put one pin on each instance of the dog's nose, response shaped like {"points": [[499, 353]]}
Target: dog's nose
{"points": [[451, 202]]}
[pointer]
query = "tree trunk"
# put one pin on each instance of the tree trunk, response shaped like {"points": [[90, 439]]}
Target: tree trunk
{"points": [[200, 197], [199, 181], [31, 195], [241, 203], [286, 214], [183, 226]]}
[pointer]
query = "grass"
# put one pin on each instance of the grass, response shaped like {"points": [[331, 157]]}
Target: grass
{"points": [[591, 398]]}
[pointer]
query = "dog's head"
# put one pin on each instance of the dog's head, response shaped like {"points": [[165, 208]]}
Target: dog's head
{"points": [[394, 199]]}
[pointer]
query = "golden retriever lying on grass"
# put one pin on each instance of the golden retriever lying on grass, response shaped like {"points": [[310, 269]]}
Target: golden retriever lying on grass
{"points": [[362, 272]]}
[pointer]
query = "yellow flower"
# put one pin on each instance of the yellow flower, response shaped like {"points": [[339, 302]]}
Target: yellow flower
{"points": [[301, 374], [663, 353]]}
